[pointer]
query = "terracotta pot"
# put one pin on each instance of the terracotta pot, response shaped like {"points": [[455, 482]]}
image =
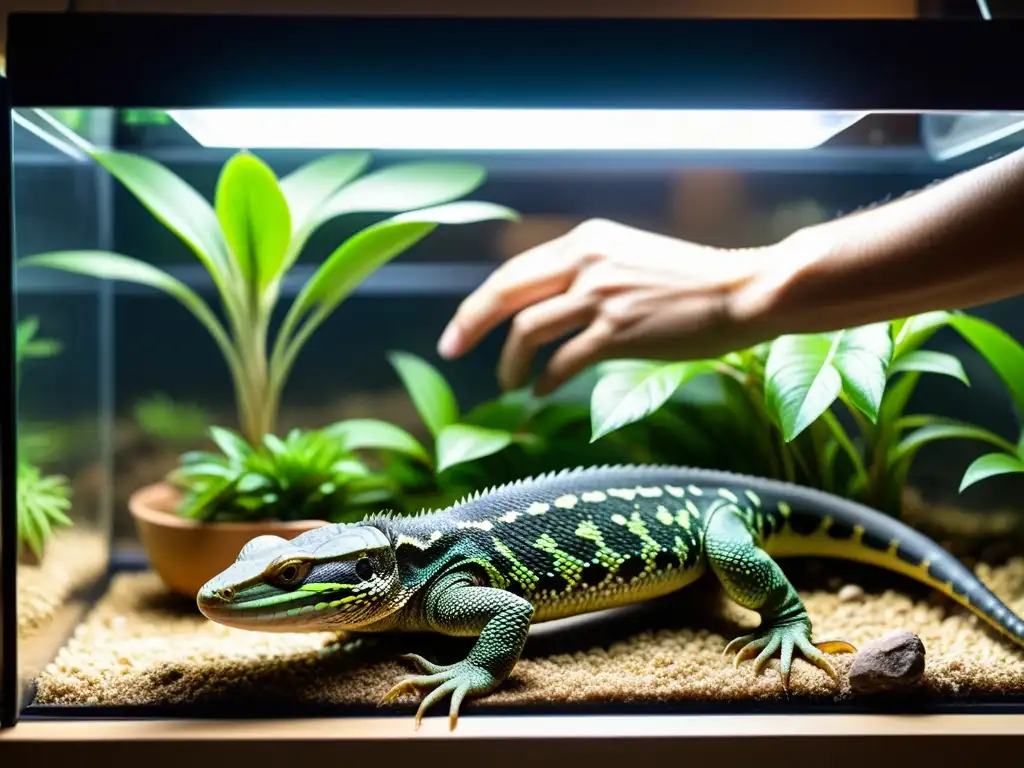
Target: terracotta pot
{"points": [[187, 553]]}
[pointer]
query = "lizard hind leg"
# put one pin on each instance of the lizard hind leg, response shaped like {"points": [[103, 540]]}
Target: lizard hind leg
{"points": [[752, 579]]}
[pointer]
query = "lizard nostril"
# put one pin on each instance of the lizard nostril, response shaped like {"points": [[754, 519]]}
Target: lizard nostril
{"points": [[226, 593]]}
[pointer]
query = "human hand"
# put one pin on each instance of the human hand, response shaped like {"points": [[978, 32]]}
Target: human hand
{"points": [[634, 293]]}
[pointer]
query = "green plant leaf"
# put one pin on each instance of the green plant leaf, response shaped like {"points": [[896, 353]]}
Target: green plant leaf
{"points": [[1002, 352], [308, 187], [369, 249], [25, 331], [990, 465], [942, 429], [26, 345], [255, 219], [926, 361], [461, 212], [354, 260], [632, 390], [114, 266], [406, 186], [358, 257], [357, 434], [231, 443], [434, 399], [805, 373], [461, 443], [896, 397], [911, 332], [173, 202]]}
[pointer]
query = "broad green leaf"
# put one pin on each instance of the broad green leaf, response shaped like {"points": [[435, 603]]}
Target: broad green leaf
{"points": [[355, 260], [461, 443], [254, 216], [406, 186], [499, 414], [352, 468], [369, 249], [630, 392], [1000, 350], [926, 361], [942, 430], [176, 204], [911, 332], [800, 381], [308, 187], [430, 393], [357, 434], [461, 212], [804, 374], [114, 266], [990, 465]]}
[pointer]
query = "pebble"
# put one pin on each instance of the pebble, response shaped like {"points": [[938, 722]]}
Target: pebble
{"points": [[850, 593], [892, 661]]}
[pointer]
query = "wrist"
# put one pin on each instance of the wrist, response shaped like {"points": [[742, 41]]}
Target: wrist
{"points": [[773, 301]]}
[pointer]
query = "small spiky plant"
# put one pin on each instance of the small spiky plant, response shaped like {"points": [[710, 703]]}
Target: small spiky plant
{"points": [[42, 500]]}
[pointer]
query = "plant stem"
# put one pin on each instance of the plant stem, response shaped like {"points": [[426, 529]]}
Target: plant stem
{"points": [[845, 443], [756, 397], [789, 472]]}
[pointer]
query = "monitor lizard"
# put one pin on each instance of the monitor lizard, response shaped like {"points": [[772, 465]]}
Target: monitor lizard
{"points": [[572, 542]]}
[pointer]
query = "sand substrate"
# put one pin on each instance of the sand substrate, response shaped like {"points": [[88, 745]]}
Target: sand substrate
{"points": [[140, 646], [73, 558]]}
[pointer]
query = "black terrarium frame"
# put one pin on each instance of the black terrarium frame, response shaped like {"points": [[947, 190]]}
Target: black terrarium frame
{"points": [[163, 61]]}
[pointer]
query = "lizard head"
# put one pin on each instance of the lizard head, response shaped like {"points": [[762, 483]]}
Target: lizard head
{"points": [[336, 577]]}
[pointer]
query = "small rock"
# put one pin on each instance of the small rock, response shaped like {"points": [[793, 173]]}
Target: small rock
{"points": [[850, 593], [892, 661]]}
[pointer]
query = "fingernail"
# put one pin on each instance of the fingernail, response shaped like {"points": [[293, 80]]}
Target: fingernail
{"points": [[450, 343]]}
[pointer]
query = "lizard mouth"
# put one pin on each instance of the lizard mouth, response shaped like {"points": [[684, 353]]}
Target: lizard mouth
{"points": [[283, 612]]}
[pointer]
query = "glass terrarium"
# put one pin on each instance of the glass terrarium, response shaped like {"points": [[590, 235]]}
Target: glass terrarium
{"points": [[237, 241]]}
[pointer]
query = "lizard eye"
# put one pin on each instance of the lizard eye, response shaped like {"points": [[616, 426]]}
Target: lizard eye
{"points": [[364, 568], [289, 574]]}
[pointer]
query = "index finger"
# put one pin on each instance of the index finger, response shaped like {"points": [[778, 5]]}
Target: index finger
{"points": [[531, 276]]}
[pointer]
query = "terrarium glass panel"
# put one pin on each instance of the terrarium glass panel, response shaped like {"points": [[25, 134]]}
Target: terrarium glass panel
{"points": [[249, 303], [64, 356]]}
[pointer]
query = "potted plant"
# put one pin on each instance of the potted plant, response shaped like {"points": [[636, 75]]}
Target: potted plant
{"points": [[255, 482], [42, 500], [779, 400]]}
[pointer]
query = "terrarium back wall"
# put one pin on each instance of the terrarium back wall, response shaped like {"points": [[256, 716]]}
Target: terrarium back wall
{"points": [[343, 372]]}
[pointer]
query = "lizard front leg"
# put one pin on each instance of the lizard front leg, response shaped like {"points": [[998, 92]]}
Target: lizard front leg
{"points": [[755, 581], [456, 606]]}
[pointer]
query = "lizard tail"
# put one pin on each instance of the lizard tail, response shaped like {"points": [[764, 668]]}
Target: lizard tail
{"points": [[798, 521]]}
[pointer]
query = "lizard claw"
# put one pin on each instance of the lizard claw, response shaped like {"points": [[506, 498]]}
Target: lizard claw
{"points": [[409, 683], [460, 680], [785, 640], [426, 666]]}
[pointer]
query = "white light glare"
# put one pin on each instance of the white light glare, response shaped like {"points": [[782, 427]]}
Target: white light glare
{"points": [[512, 129]]}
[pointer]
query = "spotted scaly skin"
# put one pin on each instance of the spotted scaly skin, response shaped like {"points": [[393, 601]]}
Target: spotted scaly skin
{"points": [[571, 543]]}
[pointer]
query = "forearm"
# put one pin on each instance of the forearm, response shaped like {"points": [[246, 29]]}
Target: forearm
{"points": [[954, 245]]}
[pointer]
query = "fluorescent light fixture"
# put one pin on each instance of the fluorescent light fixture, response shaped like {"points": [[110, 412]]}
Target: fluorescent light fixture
{"points": [[512, 129], [947, 136]]}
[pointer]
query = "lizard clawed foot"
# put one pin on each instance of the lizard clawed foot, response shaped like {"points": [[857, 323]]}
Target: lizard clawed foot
{"points": [[460, 680], [785, 639]]}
